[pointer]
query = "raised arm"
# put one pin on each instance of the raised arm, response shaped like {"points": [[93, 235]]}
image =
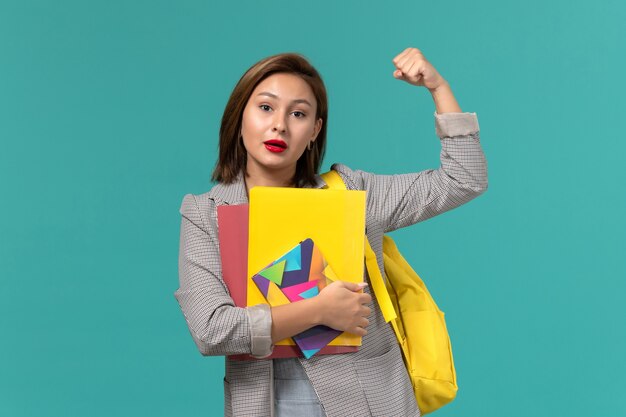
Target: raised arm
{"points": [[395, 201]]}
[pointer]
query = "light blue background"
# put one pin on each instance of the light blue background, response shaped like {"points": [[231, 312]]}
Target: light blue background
{"points": [[109, 114]]}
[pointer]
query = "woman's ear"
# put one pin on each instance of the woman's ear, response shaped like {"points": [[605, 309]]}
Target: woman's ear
{"points": [[317, 128]]}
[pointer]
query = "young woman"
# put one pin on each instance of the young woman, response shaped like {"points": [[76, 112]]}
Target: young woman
{"points": [[273, 133]]}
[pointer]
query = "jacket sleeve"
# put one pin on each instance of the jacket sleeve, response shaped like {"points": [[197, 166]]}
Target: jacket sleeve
{"points": [[401, 200], [217, 326]]}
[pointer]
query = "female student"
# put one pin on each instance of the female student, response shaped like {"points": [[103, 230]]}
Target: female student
{"points": [[273, 133]]}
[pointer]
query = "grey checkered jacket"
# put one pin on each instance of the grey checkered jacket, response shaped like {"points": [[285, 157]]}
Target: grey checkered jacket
{"points": [[370, 382]]}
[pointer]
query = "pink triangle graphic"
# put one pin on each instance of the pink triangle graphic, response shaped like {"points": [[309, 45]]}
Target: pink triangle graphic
{"points": [[293, 292]]}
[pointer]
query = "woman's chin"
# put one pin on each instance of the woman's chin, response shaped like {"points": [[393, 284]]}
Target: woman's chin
{"points": [[273, 166]]}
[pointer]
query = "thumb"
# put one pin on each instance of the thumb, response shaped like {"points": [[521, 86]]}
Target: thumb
{"points": [[353, 286], [398, 74]]}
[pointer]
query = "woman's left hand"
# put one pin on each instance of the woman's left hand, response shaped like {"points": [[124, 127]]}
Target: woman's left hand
{"points": [[412, 67]]}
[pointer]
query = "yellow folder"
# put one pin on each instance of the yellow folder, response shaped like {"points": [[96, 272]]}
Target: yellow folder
{"points": [[281, 217]]}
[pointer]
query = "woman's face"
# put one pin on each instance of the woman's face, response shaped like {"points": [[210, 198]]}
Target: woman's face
{"points": [[278, 123]]}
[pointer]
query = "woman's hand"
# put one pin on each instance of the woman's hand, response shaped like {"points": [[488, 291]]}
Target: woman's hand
{"points": [[341, 307], [412, 67]]}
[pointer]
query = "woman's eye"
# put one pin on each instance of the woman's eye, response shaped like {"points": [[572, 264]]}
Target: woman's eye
{"points": [[265, 107], [299, 114]]}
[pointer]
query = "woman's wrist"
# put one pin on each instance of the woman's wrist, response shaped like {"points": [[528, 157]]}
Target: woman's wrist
{"points": [[444, 99], [293, 318]]}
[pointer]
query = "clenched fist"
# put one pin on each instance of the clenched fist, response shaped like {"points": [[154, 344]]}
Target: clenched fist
{"points": [[412, 67]]}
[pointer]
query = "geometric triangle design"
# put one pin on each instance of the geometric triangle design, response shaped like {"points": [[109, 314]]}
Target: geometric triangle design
{"points": [[293, 259], [317, 261], [322, 281], [275, 296], [310, 352], [274, 273], [262, 283], [316, 337], [312, 292], [330, 274], [306, 249], [293, 292]]}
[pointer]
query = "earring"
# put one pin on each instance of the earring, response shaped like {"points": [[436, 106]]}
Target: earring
{"points": [[308, 146]]}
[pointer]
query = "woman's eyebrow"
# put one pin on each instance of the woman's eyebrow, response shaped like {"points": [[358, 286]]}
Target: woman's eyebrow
{"points": [[299, 100]]}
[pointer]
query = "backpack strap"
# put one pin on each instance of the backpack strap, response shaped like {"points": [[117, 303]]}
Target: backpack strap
{"points": [[334, 182]]}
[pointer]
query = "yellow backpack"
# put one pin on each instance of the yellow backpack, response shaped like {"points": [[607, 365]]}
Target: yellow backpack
{"points": [[417, 321]]}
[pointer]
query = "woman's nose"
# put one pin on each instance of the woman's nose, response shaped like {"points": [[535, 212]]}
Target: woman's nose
{"points": [[279, 123]]}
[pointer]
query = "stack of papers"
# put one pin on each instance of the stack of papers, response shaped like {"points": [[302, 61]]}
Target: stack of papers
{"points": [[325, 227]]}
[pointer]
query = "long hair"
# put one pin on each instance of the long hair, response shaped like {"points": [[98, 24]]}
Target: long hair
{"points": [[232, 153]]}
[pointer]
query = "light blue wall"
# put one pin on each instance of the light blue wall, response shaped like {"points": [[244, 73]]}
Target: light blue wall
{"points": [[109, 114]]}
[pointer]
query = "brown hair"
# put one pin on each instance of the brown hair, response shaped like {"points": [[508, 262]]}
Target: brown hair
{"points": [[232, 154]]}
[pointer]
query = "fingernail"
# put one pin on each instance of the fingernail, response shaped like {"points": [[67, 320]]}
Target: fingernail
{"points": [[362, 284]]}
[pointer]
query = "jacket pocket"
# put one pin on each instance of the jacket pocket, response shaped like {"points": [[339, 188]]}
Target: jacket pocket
{"points": [[385, 382]]}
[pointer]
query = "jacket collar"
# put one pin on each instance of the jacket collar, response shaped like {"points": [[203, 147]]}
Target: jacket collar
{"points": [[235, 192]]}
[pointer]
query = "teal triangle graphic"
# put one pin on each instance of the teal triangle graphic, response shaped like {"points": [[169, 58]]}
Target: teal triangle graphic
{"points": [[293, 259], [311, 292], [309, 352], [274, 273]]}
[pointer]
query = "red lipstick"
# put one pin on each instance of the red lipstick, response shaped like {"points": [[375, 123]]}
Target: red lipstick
{"points": [[275, 145]]}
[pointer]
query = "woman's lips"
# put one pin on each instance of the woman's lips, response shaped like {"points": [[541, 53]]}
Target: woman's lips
{"points": [[275, 145]]}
